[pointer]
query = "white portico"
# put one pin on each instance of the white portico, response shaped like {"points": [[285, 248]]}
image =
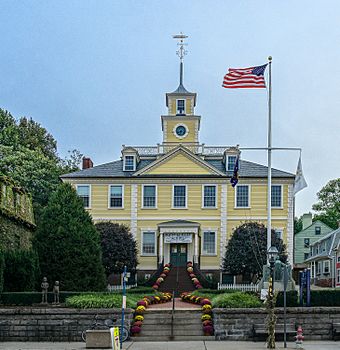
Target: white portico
{"points": [[178, 242]]}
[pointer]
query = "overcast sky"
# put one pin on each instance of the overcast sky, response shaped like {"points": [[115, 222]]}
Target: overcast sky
{"points": [[94, 73]]}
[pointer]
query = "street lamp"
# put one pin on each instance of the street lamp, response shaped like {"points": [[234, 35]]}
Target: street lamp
{"points": [[272, 255]]}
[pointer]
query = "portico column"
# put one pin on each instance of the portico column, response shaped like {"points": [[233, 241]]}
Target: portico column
{"points": [[196, 248], [160, 248]]}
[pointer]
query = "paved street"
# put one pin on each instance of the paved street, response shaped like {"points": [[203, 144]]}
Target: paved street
{"points": [[194, 345]]}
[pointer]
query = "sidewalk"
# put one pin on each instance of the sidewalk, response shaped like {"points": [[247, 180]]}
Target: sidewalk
{"points": [[194, 345]]}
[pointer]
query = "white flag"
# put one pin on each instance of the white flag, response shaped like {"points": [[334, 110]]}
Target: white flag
{"points": [[300, 182]]}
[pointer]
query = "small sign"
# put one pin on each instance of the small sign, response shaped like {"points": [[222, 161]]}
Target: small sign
{"points": [[124, 302], [264, 294], [178, 238], [114, 331]]}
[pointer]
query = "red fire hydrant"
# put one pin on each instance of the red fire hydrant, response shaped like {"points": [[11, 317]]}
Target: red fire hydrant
{"points": [[299, 338]]}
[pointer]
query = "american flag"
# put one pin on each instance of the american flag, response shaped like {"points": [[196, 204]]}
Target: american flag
{"points": [[252, 77], [234, 178]]}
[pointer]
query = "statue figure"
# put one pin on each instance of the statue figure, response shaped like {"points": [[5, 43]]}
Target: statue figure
{"points": [[56, 292], [44, 287]]}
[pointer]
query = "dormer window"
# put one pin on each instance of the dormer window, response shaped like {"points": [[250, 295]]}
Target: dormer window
{"points": [[180, 107], [129, 163], [231, 163]]}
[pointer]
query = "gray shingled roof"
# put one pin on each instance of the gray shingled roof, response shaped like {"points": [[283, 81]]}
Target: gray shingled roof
{"points": [[181, 90], [115, 169]]}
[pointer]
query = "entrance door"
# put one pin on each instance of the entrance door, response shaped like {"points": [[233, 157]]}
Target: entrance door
{"points": [[178, 254]]}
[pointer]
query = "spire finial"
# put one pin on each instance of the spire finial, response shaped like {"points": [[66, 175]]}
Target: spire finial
{"points": [[181, 52]]}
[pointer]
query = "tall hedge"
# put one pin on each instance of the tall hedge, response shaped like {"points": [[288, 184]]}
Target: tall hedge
{"points": [[68, 244], [22, 270]]}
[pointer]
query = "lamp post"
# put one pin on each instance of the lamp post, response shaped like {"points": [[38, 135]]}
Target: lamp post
{"points": [[272, 255]]}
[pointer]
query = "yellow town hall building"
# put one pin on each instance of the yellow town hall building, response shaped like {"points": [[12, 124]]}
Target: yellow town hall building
{"points": [[176, 196]]}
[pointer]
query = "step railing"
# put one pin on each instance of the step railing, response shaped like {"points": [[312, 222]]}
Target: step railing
{"points": [[241, 287], [154, 276], [172, 316], [203, 280]]}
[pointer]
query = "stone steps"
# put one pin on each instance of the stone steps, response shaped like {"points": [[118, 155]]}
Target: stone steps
{"points": [[178, 331], [157, 326], [141, 338]]}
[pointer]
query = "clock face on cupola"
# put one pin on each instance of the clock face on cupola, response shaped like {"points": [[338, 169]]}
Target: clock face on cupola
{"points": [[180, 125], [180, 131]]}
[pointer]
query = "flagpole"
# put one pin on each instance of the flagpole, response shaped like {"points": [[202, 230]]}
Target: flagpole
{"points": [[269, 193]]}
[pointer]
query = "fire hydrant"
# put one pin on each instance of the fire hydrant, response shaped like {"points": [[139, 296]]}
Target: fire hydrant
{"points": [[299, 338]]}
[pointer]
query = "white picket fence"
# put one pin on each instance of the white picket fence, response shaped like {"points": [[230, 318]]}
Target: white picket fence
{"points": [[241, 287], [120, 287]]}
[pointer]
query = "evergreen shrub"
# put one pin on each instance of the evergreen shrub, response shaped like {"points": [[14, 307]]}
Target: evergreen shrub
{"points": [[30, 298], [326, 297], [68, 244], [236, 300], [102, 300], [22, 270], [291, 301]]}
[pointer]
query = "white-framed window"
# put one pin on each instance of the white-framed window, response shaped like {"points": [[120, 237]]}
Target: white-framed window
{"points": [[326, 265], [318, 230], [338, 260], [84, 192], [338, 276], [179, 196], [279, 233], [209, 195], [231, 160], [306, 242], [242, 196], [276, 196], [129, 163], [209, 243], [149, 243], [180, 106], [149, 196], [318, 267], [306, 256], [116, 196]]}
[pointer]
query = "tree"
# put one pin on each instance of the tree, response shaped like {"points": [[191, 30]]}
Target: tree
{"points": [[246, 252], [31, 170], [35, 137], [28, 154], [328, 206], [119, 248], [68, 243], [26, 133], [297, 225]]}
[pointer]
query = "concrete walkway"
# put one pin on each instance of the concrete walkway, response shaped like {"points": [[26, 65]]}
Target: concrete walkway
{"points": [[179, 305], [194, 345]]}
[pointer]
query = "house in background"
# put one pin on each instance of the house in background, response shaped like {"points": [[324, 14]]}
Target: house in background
{"points": [[323, 260], [337, 265], [310, 233]]}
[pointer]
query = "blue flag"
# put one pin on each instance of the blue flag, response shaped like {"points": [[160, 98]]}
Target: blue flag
{"points": [[234, 178]]}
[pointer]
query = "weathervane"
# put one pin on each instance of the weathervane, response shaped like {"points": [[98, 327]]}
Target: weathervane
{"points": [[181, 52]]}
